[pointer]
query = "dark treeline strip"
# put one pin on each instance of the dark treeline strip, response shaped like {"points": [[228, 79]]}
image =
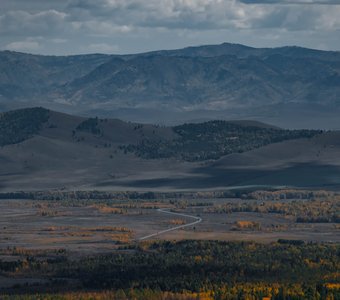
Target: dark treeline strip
{"points": [[83, 195], [244, 193]]}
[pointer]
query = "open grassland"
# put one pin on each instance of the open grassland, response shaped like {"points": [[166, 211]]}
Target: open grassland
{"points": [[95, 225], [248, 245]]}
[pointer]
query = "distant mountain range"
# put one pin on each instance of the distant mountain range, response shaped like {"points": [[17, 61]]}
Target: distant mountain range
{"points": [[288, 86], [42, 150]]}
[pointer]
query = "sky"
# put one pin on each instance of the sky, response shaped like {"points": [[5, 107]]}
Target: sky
{"points": [[64, 27]]}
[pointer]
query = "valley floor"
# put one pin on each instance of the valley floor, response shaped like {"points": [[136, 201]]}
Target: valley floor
{"points": [[95, 226], [247, 244]]}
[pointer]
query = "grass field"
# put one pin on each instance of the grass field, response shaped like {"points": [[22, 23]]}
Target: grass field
{"points": [[51, 246], [96, 227]]}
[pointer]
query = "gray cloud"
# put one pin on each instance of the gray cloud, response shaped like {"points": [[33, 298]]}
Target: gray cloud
{"points": [[32, 6], [22, 23], [208, 14], [74, 26], [27, 45], [298, 2], [199, 14]]}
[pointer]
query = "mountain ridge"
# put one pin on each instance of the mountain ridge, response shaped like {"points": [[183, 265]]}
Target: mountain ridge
{"points": [[200, 81]]}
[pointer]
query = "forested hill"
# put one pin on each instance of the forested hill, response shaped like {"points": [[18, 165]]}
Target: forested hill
{"points": [[190, 142], [214, 139], [39, 146], [19, 125]]}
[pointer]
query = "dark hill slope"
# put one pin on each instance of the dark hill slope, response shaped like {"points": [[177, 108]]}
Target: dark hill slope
{"points": [[90, 153], [214, 139], [17, 126], [197, 141], [308, 163]]}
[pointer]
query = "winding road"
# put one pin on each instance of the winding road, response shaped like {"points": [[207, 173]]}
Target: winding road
{"points": [[197, 220]]}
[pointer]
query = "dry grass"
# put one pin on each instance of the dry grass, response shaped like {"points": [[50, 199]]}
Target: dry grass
{"points": [[105, 209], [239, 225], [177, 222]]}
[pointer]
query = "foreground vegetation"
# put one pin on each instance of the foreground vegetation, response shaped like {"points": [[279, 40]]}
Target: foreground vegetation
{"points": [[185, 270], [261, 291]]}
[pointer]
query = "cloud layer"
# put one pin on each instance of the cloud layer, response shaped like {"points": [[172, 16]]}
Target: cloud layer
{"points": [[123, 25]]}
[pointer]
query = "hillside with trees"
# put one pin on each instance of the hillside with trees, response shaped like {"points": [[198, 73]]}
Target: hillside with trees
{"points": [[40, 143], [214, 139], [19, 125]]}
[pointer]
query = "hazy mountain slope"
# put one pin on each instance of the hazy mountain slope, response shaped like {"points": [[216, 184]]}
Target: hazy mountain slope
{"points": [[242, 51], [28, 77], [225, 81], [222, 82]]}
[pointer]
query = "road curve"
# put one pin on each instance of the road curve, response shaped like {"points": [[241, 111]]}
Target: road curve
{"points": [[197, 220]]}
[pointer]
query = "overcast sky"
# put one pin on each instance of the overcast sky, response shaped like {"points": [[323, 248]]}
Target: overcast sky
{"points": [[129, 26]]}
